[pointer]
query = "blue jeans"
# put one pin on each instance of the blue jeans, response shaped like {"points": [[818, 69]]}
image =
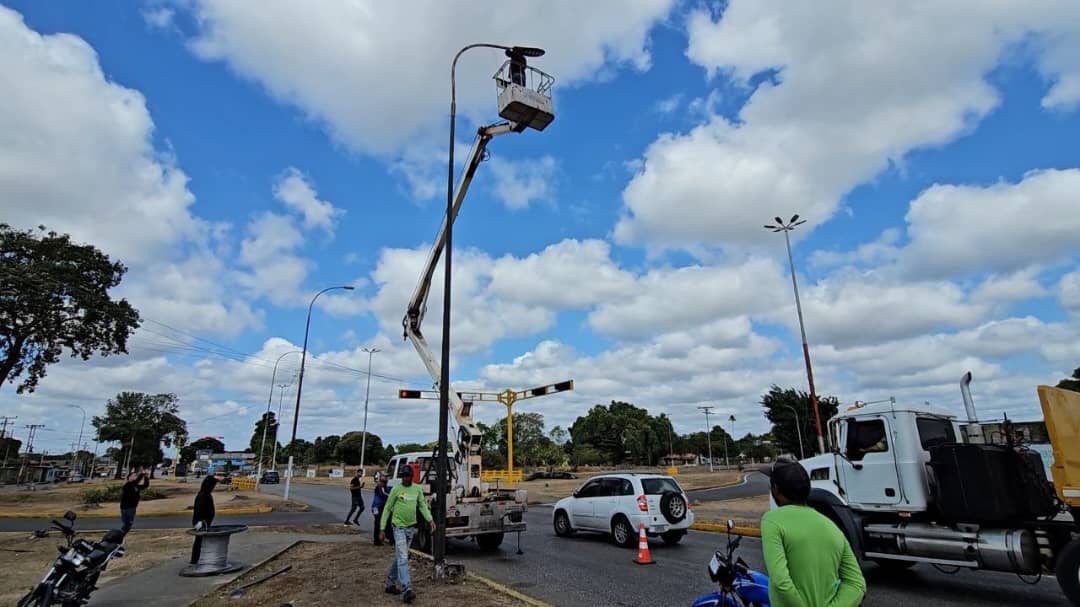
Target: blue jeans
{"points": [[127, 519], [399, 569]]}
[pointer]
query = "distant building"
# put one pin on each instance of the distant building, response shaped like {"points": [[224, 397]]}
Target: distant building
{"points": [[228, 461], [685, 459]]}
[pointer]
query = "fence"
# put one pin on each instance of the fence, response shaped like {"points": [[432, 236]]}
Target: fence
{"points": [[500, 475], [243, 483]]}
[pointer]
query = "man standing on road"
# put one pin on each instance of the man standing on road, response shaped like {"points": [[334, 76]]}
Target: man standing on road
{"points": [[405, 500], [356, 490], [377, 504], [129, 498], [809, 560]]}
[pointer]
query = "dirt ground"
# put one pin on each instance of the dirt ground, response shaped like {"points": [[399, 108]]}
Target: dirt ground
{"points": [[352, 573], [180, 497], [547, 491], [745, 511], [25, 559]]}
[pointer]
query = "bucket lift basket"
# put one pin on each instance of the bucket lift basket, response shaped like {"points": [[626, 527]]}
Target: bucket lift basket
{"points": [[524, 95]]}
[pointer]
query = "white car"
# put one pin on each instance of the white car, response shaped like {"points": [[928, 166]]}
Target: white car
{"points": [[619, 503]]}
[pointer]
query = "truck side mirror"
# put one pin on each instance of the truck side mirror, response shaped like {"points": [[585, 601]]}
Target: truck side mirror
{"points": [[69, 515], [730, 524]]}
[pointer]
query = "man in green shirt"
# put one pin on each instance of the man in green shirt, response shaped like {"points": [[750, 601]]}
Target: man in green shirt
{"points": [[809, 560], [400, 511]]}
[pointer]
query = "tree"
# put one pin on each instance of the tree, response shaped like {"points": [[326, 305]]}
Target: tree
{"points": [[490, 454], [269, 420], [776, 403], [323, 448], [388, 453], [528, 438], [300, 450], [1072, 383], [411, 447], [206, 443], [348, 449], [141, 423], [9, 447], [620, 431], [54, 297]]}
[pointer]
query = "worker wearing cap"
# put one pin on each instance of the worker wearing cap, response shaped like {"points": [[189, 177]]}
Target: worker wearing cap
{"points": [[809, 561], [402, 505]]}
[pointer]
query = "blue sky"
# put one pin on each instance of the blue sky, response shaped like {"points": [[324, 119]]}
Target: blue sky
{"points": [[238, 160]]}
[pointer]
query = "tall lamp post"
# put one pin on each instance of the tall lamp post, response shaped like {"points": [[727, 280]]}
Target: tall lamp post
{"points": [[787, 227], [280, 400], [300, 383], [75, 456], [733, 444], [798, 431], [517, 56], [266, 417], [367, 394], [708, 433]]}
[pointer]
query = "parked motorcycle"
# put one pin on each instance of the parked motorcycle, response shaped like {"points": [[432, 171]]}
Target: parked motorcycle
{"points": [[739, 585], [74, 574]]}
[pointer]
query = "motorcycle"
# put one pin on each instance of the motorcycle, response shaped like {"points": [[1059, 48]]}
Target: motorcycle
{"points": [[74, 574], [740, 586]]}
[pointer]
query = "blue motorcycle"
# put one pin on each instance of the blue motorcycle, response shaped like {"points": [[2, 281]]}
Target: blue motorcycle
{"points": [[739, 585]]}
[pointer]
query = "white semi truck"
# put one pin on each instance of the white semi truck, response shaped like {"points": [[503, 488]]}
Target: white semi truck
{"points": [[910, 484]]}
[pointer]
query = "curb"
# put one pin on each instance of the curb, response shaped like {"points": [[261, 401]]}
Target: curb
{"points": [[234, 511], [490, 583], [738, 480], [715, 528]]}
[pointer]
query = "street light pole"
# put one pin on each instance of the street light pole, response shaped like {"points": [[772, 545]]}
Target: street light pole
{"points": [[266, 417], [733, 444], [300, 383], [708, 433], [781, 226], [438, 546], [798, 431], [280, 400], [75, 455], [367, 394]]}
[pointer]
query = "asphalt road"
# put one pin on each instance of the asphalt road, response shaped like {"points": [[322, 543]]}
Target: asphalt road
{"points": [[755, 483], [589, 570]]}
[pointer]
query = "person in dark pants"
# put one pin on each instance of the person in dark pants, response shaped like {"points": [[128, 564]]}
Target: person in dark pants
{"points": [[356, 490], [202, 515], [129, 498], [377, 503]]}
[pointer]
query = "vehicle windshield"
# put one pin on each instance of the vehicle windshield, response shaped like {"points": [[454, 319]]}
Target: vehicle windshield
{"points": [[657, 486]]}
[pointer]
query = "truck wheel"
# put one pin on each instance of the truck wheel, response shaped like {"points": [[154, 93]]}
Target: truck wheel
{"points": [[622, 532], [673, 507], [1068, 571], [489, 541], [562, 525]]}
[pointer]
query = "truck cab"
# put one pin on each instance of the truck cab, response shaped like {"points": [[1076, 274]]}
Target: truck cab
{"points": [[881, 456]]}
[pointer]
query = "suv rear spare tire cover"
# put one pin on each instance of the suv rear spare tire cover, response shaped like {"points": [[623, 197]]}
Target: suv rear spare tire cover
{"points": [[673, 506]]}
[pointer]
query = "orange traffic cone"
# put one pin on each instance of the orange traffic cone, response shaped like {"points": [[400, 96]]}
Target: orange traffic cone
{"points": [[643, 557]]}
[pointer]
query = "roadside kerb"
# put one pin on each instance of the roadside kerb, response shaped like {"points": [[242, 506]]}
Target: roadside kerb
{"points": [[717, 528], [524, 598], [223, 511]]}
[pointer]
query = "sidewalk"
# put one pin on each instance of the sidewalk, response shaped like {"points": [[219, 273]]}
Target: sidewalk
{"points": [[162, 585]]}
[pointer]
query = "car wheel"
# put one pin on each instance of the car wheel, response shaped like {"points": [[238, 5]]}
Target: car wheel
{"points": [[1067, 568], [672, 537], [622, 532], [673, 507], [562, 525]]}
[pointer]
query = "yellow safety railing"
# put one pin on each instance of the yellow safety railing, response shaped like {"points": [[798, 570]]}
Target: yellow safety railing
{"points": [[244, 483], [501, 475]]}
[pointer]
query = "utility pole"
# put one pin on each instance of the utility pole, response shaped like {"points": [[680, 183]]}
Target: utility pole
{"points": [[33, 428], [367, 394], [4, 421], [281, 395], [732, 419], [708, 433]]}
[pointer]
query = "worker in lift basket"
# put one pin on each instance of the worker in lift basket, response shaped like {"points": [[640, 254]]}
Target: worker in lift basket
{"points": [[402, 505], [809, 560]]}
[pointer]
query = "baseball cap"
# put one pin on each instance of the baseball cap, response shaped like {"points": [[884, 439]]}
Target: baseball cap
{"points": [[790, 478]]}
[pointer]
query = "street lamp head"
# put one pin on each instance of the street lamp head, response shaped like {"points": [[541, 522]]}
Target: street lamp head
{"points": [[524, 51], [794, 218], [771, 227], [779, 221], [348, 287]]}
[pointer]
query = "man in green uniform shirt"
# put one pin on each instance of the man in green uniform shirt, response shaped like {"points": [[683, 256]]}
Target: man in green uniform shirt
{"points": [[809, 560], [400, 511]]}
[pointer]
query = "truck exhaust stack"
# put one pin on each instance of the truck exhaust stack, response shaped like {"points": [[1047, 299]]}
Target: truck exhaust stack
{"points": [[973, 429]]}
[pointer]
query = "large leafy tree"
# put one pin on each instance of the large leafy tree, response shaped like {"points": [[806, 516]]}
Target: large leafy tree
{"points": [[54, 298], [302, 451], [348, 449], [269, 421], [778, 404], [1072, 383], [621, 432], [9, 447], [206, 443], [142, 423], [323, 448]]}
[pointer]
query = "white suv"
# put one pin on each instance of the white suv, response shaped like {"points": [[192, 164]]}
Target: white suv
{"points": [[619, 503]]}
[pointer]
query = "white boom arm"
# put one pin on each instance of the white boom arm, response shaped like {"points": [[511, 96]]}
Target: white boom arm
{"points": [[468, 441]]}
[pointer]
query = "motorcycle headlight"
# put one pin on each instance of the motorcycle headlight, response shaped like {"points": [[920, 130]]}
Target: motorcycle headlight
{"points": [[75, 559]]}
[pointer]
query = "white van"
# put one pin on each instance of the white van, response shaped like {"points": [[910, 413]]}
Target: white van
{"points": [[425, 459]]}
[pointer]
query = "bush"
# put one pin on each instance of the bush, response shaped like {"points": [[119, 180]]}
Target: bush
{"points": [[112, 493]]}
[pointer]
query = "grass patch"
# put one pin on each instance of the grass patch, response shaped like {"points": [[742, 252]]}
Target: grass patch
{"points": [[112, 493]]}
